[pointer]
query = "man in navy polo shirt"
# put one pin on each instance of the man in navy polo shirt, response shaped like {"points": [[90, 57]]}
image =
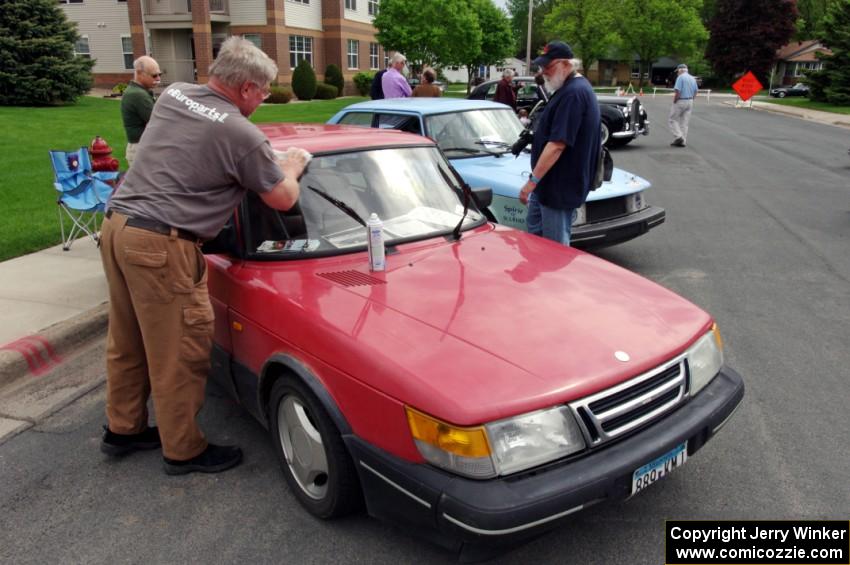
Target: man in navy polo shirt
{"points": [[565, 149]]}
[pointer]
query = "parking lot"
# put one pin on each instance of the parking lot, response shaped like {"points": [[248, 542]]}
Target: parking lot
{"points": [[757, 233]]}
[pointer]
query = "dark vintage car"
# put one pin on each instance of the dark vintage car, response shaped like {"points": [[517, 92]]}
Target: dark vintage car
{"points": [[798, 89], [623, 117]]}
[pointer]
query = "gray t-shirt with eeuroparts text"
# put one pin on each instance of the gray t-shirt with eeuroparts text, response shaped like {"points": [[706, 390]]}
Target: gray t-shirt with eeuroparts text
{"points": [[195, 161]]}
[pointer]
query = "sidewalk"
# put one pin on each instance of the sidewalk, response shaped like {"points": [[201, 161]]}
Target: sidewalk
{"points": [[829, 118], [52, 301]]}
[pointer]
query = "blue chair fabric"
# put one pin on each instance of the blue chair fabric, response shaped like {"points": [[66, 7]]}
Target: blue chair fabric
{"points": [[83, 193]]}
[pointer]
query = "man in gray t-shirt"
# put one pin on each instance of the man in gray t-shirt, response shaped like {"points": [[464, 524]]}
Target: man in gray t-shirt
{"points": [[198, 156]]}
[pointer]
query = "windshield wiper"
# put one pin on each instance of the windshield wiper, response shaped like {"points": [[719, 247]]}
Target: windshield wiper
{"points": [[339, 204], [496, 143], [469, 150]]}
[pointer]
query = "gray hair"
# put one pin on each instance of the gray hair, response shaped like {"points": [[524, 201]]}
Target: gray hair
{"points": [[576, 63], [241, 61], [507, 73], [397, 57]]}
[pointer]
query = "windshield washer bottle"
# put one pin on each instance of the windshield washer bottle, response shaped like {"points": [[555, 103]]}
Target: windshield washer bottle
{"points": [[375, 243]]}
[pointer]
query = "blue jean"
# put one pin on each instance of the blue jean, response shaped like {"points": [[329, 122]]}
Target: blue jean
{"points": [[550, 223]]}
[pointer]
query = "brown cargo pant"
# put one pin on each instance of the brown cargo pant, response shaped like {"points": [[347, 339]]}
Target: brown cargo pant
{"points": [[160, 334]]}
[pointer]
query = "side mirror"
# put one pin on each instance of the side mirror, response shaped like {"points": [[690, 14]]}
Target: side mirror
{"points": [[483, 197]]}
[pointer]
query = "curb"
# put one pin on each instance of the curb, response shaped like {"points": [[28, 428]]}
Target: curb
{"points": [[39, 353], [837, 120]]}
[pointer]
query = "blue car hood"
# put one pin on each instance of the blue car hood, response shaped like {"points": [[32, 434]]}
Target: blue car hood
{"points": [[506, 175]]}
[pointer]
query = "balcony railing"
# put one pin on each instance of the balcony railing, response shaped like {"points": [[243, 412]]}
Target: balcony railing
{"points": [[175, 7]]}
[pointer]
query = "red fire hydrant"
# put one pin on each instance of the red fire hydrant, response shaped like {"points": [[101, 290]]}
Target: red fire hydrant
{"points": [[101, 153]]}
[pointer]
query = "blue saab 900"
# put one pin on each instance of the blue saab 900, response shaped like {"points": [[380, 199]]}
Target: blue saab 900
{"points": [[477, 136]]}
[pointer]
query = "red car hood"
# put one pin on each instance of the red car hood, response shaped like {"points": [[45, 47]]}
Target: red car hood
{"points": [[494, 325]]}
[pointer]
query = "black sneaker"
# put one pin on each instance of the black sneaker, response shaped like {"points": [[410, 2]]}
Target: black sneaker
{"points": [[116, 445], [214, 459], [678, 142]]}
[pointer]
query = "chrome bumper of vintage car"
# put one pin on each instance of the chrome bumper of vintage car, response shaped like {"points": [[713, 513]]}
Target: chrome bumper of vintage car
{"points": [[454, 511], [617, 230]]}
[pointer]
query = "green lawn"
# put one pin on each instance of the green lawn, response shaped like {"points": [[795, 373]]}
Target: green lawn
{"points": [[810, 104], [31, 220]]}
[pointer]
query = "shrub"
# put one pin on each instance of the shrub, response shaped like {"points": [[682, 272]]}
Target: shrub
{"points": [[279, 95], [333, 76], [119, 88], [304, 81], [37, 61], [363, 82], [326, 91]]}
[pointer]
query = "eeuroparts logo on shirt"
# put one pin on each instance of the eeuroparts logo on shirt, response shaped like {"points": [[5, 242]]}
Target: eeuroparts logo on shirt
{"points": [[197, 107]]}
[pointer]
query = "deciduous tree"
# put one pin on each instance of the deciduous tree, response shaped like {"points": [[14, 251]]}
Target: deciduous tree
{"points": [[745, 35], [589, 26], [497, 41], [518, 10], [37, 61], [445, 32], [654, 28]]}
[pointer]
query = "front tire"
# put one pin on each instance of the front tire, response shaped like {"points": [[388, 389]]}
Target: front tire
{"points": [[605, 133], [781, 95], [314, 460]]}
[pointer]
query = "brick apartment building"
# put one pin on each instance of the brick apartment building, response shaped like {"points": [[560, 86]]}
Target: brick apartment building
{"points": [[184, 35]]}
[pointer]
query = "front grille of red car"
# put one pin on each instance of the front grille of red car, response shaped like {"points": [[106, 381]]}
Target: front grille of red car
{"points": [[351, 278], [618, 410]]}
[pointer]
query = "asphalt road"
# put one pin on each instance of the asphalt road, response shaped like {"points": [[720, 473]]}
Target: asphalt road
{"points": [[757, 233]]}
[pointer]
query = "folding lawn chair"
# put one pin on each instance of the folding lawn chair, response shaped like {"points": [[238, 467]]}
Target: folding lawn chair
{"points": [[82, 193]]}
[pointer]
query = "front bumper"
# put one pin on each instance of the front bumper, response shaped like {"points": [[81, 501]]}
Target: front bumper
{"points": [[456, 512], [618, 230]]}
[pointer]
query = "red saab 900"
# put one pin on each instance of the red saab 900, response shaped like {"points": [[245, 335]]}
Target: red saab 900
{"points": [[484, 386]]}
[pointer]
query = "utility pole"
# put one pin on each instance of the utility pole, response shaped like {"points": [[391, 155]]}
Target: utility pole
{"points": [[528, 39]]}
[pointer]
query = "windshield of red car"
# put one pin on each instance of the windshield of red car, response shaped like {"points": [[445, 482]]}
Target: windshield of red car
{"points": [[403, 186]]}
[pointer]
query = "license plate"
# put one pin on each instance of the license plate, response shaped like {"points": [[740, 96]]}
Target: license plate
{"points": [[659, 468]]}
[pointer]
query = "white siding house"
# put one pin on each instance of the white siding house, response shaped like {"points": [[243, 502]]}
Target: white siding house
{"points": [[102, 25], [304, 14]]}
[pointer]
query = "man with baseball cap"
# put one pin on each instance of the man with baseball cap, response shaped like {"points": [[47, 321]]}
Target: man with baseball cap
{"points": [[684, 92], [565, 149]]}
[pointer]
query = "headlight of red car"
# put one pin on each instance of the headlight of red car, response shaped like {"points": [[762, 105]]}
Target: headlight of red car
{"points": [[497, 448], [705, 358]]}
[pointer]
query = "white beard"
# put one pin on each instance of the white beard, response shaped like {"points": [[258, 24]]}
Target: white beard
{"points": [[555, 82]]}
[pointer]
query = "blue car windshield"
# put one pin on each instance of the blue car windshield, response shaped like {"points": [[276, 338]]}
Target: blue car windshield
{"points": [[411, 189], [475, 132]]}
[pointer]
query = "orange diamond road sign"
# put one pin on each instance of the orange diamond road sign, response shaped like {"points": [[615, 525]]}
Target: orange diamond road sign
{"points": [[747, 86]]}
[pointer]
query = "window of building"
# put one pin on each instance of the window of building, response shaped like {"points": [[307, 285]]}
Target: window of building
{"points": [[300, 48], [81, 47], [373, 7], [350, 4], [300, 1], [353, 58], [800, 69], [69, 1], [254, 38], [127, 49], [373, 55]]}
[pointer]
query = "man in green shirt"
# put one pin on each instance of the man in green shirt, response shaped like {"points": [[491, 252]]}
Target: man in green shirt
{"points": [[137, 102]]}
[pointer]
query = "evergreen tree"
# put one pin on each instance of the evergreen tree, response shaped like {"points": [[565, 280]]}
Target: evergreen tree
{"points": [[37, 61], [745, 35], [333, 75], [832, 83], [304, 81]]}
